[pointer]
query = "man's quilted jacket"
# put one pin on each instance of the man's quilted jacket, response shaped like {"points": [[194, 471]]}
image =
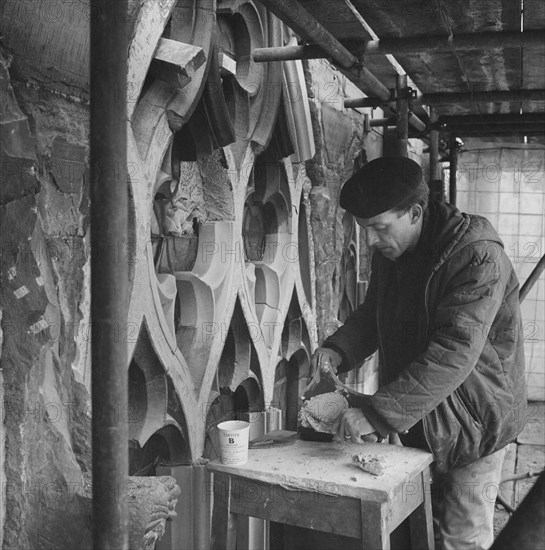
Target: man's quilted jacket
{"points": [[446, 321]]}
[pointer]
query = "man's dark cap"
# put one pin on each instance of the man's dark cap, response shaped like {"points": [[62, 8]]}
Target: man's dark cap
{"points": [[380, 185]]}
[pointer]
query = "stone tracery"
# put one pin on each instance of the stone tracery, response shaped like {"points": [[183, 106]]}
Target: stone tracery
{"points": [[238, 235]]}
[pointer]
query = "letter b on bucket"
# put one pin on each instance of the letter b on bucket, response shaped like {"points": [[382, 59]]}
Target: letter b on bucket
{"points": [[234, 437]]}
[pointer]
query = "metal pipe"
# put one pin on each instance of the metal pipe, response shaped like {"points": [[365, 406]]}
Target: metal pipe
{"points": [[109, 273], [532, 279], [288, 53], [419, 44], [416, 123], [517, 477], [366, 81], [476, 119], [402, 116], [505, 135], [494, 127], [382, 122], [304, 24], [413, 120], [434, 152], [468, 131], [505, 504], [453, 169], [364, 102], [486, 97], [456, 97]]}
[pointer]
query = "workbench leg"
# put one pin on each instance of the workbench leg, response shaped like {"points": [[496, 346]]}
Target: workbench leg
{"points": [[374, 535], [277, 536], [421, 520], [224, 523]]}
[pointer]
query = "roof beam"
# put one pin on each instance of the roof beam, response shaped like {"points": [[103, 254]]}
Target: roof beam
{"points": [[472, 41], [491, 96]]}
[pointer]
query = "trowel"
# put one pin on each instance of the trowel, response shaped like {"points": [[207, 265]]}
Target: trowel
{"points": [[324, 381]]}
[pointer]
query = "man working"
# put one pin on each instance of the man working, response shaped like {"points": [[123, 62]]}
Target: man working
{"points": [[442, 309]]}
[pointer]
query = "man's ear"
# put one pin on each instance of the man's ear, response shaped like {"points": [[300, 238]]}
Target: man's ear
{"points": [[416, 213]]}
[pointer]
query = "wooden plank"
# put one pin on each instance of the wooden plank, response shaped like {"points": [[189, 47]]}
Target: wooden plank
{"points": [[375, 535], [421, 520], [224, 524], [324, 512], [404, 501]]}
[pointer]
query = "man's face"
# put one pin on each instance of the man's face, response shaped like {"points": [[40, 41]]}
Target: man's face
{"points": [[390, 233]]}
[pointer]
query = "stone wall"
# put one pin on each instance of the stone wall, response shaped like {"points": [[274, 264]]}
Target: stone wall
{"points": [[43, 223]]}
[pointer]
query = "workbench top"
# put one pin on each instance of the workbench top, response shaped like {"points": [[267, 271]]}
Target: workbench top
{"points": [[328, 468]]}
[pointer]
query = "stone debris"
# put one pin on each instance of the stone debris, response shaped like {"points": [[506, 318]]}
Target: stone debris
{"points": [[369, 463]]}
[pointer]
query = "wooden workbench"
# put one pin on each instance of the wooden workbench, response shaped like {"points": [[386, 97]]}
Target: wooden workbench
{"points": [[315, 485]]}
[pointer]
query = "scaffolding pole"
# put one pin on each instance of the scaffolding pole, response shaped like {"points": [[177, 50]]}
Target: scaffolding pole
{"points": [[109, 273], [434, 182], [449, 98], [402, 115], [532, 279], [453, 169]]}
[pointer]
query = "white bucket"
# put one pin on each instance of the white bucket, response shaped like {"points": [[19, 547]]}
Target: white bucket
{"points": [[234, 438]]}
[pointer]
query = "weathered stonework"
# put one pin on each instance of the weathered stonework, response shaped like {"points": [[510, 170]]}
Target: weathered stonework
{"points": [[46, 416], [341, 147]]}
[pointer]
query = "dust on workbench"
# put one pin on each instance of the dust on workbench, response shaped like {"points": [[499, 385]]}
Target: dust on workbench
{"points": [[334, 460]]}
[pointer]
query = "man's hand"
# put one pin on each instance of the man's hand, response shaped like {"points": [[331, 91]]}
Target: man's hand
{"points": [[324, 369], [355, 426], [326, 355]]}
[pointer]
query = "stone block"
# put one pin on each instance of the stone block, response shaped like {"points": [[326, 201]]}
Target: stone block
{"points": [[68, 165]]}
